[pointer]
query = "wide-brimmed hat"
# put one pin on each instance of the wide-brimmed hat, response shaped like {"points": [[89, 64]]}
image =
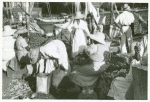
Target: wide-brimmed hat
{"points": [[78, 15], [126, 7], [99, 37], [8, 31], [20, 30]]}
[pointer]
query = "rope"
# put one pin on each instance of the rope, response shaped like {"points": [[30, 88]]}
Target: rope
{"points": [[54, 5], [72, 8], [31, 8], [10, 9], [48, 8], [68, 9]]}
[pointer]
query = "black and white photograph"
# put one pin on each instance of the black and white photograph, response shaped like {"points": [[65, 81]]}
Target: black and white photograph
{"points": [[74, 50]]}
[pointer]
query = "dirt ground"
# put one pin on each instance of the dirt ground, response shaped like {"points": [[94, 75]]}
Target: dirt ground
{"points": [[6, 80]]}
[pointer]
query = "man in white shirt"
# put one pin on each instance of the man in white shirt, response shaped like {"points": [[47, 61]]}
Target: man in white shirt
{"points": [[123, 21]]}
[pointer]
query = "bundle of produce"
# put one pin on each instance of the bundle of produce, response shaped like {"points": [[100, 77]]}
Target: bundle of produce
{"points": [[116, 62], [16, 89], [36, 40]]}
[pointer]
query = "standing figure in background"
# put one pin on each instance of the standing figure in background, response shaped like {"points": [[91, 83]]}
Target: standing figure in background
{"points": [[123, 22], [80, 31], [90, 21], [91, 25]]}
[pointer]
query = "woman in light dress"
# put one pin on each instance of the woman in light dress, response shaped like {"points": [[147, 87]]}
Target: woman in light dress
{"points": [[80, 31]]}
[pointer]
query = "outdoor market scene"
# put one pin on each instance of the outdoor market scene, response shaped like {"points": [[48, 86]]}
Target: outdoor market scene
{"points": [[75, 50]]}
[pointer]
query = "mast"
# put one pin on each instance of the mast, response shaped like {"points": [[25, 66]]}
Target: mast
{"points": [[111, 15], [111, 21], [27, 18], [77, 6]]}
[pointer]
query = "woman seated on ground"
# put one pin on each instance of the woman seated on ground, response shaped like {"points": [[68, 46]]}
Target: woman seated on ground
{"points": [[22, 50], [86, 73], [120, 85]]}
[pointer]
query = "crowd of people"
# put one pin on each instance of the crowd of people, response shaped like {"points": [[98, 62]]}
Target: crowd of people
{"points": [[88, 40]]}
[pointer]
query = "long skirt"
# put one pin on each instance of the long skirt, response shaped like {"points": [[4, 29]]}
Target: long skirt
{"points": [[79, 42], [85, 75]]}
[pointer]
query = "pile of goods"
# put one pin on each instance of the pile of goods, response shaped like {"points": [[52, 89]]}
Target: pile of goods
{"points": [[118, 62], [118, 66], [36, 40], [17, 89]]}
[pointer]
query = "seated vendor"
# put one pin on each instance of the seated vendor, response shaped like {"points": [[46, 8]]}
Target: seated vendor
{"points": [[86, 74], [22, 49]]}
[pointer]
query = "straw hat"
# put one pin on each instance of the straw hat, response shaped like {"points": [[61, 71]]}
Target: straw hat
{"points": [[8, 31], [78, 15], [20, 30], [126, 7], [99, 37]]}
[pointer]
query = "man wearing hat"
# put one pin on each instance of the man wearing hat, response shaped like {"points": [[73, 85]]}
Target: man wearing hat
{"points": [[22, 49], [124, 21], [80, 32]]}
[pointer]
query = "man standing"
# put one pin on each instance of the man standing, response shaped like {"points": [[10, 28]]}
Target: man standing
{"points": [[124, 21]]}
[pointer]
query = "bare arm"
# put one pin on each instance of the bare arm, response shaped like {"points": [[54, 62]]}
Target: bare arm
{"points": [[27, 48], [116, 10], [118, 25]]}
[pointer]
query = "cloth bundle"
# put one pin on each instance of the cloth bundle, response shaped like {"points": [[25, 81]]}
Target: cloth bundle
{"points": [[8, 51]]}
